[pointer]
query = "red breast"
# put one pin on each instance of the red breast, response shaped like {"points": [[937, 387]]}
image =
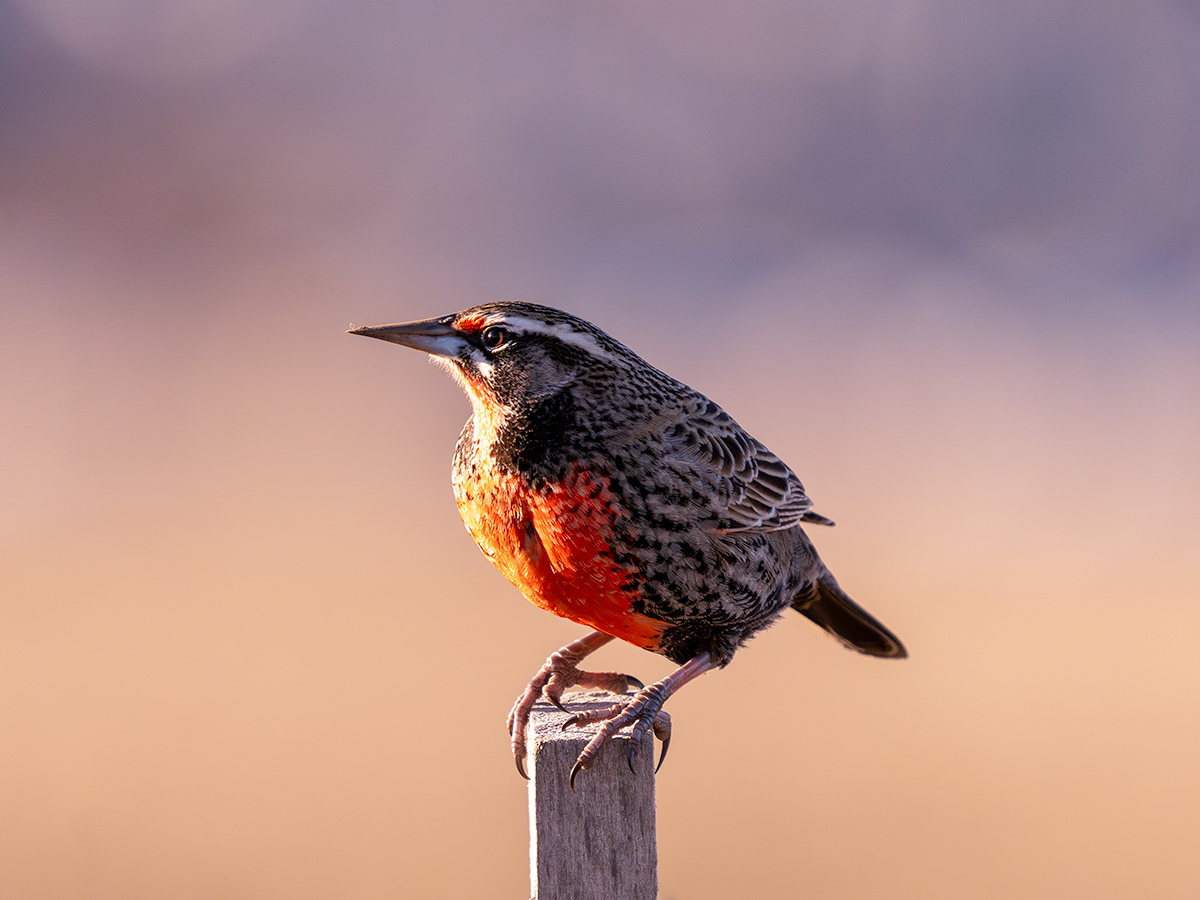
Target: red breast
{"points": [[554, 543]]}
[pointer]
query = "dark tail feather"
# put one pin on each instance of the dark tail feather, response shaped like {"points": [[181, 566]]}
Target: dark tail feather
{"points": [[827, 605]]}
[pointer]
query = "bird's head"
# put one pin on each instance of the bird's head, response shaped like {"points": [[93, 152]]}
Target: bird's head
{"points": [[509, 354]]}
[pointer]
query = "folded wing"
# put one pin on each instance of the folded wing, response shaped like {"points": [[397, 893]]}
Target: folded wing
{"points": [[753, 489]]}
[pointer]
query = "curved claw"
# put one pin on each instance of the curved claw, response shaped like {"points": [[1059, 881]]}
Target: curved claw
{"points": [[633, 683], [575, 770], [574, 720], [521, 767], [666, 743]]}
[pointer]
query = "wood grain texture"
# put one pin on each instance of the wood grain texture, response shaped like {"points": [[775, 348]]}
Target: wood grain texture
{"points": [[597, 843]]}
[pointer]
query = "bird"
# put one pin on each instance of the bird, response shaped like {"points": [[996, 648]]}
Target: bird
{"points": [[613, 495]]}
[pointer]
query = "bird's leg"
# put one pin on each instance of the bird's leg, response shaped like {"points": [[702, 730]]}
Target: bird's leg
{"points": [[558, 674], [643, 711]]}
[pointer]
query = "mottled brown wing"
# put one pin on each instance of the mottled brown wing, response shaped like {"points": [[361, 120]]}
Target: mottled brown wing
{"points": [[754, 489]]}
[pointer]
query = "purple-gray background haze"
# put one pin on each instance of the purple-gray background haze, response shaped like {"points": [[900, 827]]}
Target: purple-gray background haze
{"points": [[942, 257]]}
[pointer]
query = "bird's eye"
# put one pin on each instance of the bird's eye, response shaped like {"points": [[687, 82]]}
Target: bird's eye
{"points": [[493, 337]]}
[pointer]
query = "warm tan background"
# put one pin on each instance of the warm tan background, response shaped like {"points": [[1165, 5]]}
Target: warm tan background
{"points": [[943, 257]]}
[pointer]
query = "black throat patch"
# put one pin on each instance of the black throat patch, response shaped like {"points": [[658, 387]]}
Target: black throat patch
{"points": [[533, 442]]}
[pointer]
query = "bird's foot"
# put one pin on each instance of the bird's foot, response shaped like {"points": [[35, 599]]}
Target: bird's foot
{"points": [[559, 673], [644, 712]]}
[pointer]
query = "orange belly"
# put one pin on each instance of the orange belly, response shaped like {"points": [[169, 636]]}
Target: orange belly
{"points": [[555, 546]]}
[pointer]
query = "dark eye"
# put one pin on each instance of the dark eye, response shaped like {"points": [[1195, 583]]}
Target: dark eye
{"points": [[493, 337]]}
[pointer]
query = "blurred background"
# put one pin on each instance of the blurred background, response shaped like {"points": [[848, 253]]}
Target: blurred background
{"points": [[942, 256]]}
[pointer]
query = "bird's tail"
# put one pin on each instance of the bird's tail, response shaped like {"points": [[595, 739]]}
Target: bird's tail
{"points": [[828, 605]]}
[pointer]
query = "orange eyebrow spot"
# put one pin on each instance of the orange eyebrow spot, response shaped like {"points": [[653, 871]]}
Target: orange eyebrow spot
{"points": [[470, 323]]}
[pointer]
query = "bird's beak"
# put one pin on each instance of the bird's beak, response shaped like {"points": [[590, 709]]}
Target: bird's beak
{"points": [[434, 336]]}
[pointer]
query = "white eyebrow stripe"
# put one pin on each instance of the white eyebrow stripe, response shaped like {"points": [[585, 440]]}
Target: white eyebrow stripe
{"points": [[581, 339]]}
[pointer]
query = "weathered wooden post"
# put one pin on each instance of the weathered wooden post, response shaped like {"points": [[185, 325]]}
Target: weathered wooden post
{"points": [[597, 843]]}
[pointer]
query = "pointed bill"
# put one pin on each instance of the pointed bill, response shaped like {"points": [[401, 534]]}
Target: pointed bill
{"points": [[437, 337]]}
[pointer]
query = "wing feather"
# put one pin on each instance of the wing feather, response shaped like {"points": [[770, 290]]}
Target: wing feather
{"points": [[754, 489]]}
